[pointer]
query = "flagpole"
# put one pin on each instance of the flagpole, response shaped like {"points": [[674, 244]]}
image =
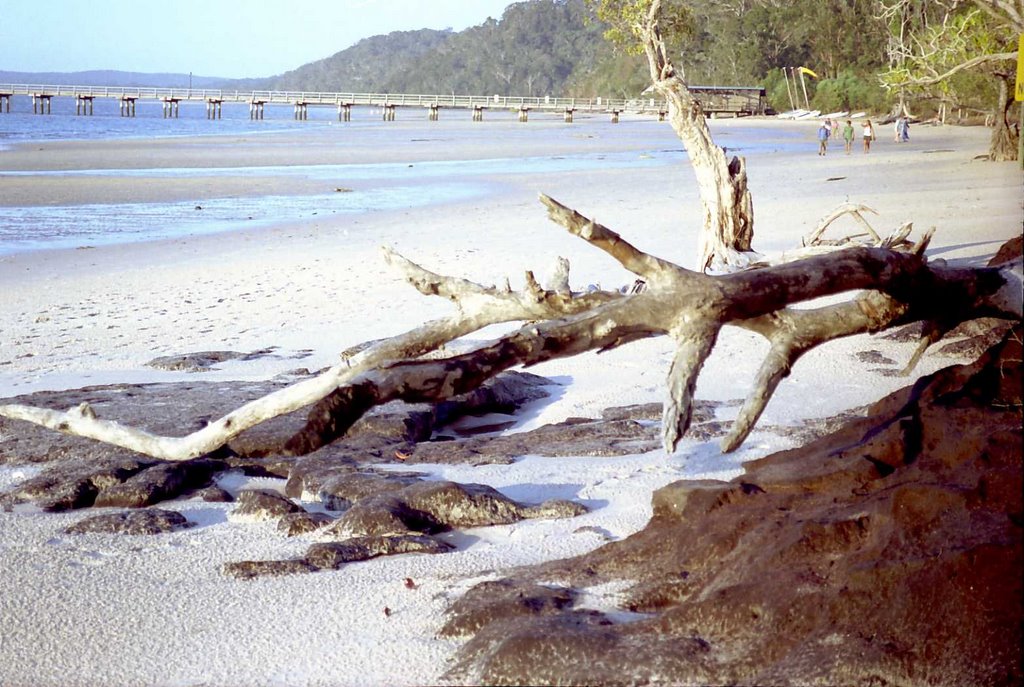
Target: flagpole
{"points": [[803, 85], [792, 103]]}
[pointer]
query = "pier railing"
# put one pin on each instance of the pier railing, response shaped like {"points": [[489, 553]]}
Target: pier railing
{"points": [[330, 98], [735, 100]]}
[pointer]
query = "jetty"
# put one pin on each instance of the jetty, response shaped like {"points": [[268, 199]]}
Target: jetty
{"points": [[716, 101]]}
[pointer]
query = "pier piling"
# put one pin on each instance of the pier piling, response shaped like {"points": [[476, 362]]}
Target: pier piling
{"points": [[524, 114], [344, 112], [127, 106], [389, 113], [5, 102], [301, 110], [213, 108], [83, 105], [434, 114], [256, 109], [41, 103], [478, 113], [171, 107], [568, 115]]}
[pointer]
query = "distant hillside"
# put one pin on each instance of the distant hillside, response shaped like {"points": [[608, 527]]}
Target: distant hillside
{"points": [[536, 48], [539, 47], [371, 65], [110, 78]]}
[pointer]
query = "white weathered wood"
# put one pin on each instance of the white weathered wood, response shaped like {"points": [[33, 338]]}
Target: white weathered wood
{"points": [[855, 210]]}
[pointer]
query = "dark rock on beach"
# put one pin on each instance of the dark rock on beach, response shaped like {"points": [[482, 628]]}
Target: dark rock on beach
{"points": [[203, 361], [150, 521], [214, 495], [504, 600], [129, 482], [83, 473], [888, 552], [75, 484], [262, 504], [1008, 252], [875, 358], [439, 506], [328, 419], [247, 570], [161, 482], [332, 555], [295, 524]]}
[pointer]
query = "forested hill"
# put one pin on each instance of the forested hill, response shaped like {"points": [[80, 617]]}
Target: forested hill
{"points": [[557, 47], [370, 66], [536, 48]]}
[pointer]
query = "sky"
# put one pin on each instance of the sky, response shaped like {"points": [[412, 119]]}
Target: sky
{"points": [[222, 38]]}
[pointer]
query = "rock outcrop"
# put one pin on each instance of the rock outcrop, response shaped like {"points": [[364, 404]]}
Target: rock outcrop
{"points": [[886, 553], [149, 521]]}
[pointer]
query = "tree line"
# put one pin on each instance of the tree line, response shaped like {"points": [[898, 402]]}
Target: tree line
{"points": [[875, 55]]}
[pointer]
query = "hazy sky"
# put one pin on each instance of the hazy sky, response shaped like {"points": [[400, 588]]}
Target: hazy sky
{"points": [[227, 38]]}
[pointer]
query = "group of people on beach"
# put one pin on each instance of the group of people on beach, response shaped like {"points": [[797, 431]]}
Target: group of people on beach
{"points": [[830, 128], [902, 129]]}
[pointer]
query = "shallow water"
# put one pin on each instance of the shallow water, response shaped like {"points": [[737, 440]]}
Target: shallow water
{"points": [[81, 226], [377, 187], [381, 187]]}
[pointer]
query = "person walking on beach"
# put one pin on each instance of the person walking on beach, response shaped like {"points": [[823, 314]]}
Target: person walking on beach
{"points": [[898, 128], [905, 132], [868, 132], [823, 134], [848, 136]]}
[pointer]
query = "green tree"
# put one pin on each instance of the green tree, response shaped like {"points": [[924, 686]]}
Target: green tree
{"points": [[938, 56]]}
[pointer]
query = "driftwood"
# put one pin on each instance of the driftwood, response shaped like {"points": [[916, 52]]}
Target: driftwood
{"points": [[854, 210], [688, 306]]}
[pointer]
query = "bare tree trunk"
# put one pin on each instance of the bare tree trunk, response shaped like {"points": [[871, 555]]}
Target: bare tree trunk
{"points": [[728, 227], [1003, 146]]}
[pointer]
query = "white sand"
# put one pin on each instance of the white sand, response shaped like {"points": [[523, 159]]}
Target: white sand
{"points": [[96, 609]]}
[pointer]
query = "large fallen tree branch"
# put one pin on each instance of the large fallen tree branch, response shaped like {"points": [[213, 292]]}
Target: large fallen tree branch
{"points": [[688, 306]]}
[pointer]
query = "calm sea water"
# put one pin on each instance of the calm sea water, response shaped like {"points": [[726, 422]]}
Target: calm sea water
{"points": [[22, 125], [384, 187]]}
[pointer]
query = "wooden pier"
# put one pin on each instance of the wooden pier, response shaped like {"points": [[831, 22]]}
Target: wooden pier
{"points": [[716, 101]]}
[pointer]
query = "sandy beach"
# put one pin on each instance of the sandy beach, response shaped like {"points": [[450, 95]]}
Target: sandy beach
{"points": [[94, 609]]}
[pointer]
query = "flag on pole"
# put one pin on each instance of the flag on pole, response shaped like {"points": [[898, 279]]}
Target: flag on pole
{"points": [[1019, 92], [808, 72]]}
